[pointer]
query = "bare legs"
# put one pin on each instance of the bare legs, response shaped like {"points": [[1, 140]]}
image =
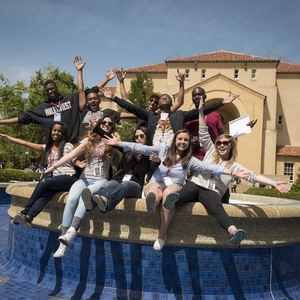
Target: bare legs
{"points": [[166, 215]]}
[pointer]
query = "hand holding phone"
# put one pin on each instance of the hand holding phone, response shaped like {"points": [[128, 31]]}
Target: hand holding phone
{"points": [[47, 175]]}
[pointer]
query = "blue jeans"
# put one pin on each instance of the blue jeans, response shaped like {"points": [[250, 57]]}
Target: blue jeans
{"points": [[44, 191], [115, 192], [75, 206]]}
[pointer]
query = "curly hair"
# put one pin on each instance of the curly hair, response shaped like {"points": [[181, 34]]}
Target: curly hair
{"points": [[232, 153], [95, 139], [170, 158]]}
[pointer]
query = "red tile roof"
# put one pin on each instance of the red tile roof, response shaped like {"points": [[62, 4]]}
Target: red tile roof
{"points": [[156, 68], [219, 56], [223, 56], [285, 67], [288, 151]]}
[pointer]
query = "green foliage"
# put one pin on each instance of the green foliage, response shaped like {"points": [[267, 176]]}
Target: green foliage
{"points": [[9, 165], [296, 186], [293, 195], [18, 98], [138, 94], [7, 175]]}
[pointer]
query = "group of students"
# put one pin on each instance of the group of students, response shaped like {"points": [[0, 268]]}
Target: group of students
{"points": [[160, 146]]}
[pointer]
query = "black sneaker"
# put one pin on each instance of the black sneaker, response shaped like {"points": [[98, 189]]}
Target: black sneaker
{"points": [[238, 236], [171, 200], [87, 198]]}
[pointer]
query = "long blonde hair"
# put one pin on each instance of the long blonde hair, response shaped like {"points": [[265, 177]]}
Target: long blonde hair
{"points": [[95, 139], [232, 156], [170, 158]]}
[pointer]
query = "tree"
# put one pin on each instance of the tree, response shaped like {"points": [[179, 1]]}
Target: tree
{"points": [[296, 186], [18, 98], [138, 94]]}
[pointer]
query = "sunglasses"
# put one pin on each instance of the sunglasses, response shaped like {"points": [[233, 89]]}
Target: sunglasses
{"points": [[225, 143], [109, 123], [141, 136], [153, 100]]}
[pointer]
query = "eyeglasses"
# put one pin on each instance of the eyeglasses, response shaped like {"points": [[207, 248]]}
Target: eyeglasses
{"points": [[109, 123], [225, 143], [141, 136], [153, 100]]}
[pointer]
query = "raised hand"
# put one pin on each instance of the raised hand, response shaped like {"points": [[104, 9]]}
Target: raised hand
{"points": [[106, 92], [111, 74], [229, 99], [110, 141], [121, 75], [251, 123], [78, 63], [179, 76]]}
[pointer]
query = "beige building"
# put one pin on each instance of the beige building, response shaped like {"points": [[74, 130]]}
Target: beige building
{"points": [[268, 89]]}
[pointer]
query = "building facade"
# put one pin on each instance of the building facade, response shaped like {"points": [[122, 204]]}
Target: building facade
{"points": [[269, 90]]}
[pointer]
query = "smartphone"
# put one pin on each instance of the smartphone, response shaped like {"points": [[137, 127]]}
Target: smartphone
{"points": [[47, 175]]}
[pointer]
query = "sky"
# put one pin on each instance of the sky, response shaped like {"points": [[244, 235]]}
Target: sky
{"points": [[131, 33]]}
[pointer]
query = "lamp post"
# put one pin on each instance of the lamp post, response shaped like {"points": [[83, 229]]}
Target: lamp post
{"points": [[26, 153]]}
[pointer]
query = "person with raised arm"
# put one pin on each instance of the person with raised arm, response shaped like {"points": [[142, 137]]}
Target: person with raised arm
{"points": [[165, 123], [60, 180], [99, 157], [208, 189], [176, 161]]}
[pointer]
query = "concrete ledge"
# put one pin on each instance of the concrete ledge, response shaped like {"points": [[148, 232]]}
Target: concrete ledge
{"points": [[268, 221]]}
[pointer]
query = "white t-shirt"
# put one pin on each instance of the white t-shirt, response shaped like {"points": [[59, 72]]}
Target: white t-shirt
{"points": [[164, 131]]}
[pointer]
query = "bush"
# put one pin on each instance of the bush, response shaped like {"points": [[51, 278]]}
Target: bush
{"points": [[296, 185], [293, 195], [6, 175]]}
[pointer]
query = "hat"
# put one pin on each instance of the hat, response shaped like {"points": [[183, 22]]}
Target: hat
{"points": [[154, 94]]}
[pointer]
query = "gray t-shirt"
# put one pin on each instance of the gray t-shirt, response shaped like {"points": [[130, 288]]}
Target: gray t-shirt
{"points": [[96, 167]]}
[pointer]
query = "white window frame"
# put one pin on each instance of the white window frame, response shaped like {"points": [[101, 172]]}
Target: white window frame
{"points": [[203, 73], [289, 170], [253, 74]]}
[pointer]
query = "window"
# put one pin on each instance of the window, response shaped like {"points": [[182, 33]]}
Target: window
{"points": [[236, 74], [203, 71], [289, 170], [187, 73], [279, 120], [253, 74]]}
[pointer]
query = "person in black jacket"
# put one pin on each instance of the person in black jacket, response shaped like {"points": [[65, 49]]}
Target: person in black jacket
{"points": [[129, 179], [56, 107], [164, 124]]}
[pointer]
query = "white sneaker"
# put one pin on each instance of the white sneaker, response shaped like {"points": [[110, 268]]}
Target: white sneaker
{"points": [[159, 244], [61, 251], [69, 237]]}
